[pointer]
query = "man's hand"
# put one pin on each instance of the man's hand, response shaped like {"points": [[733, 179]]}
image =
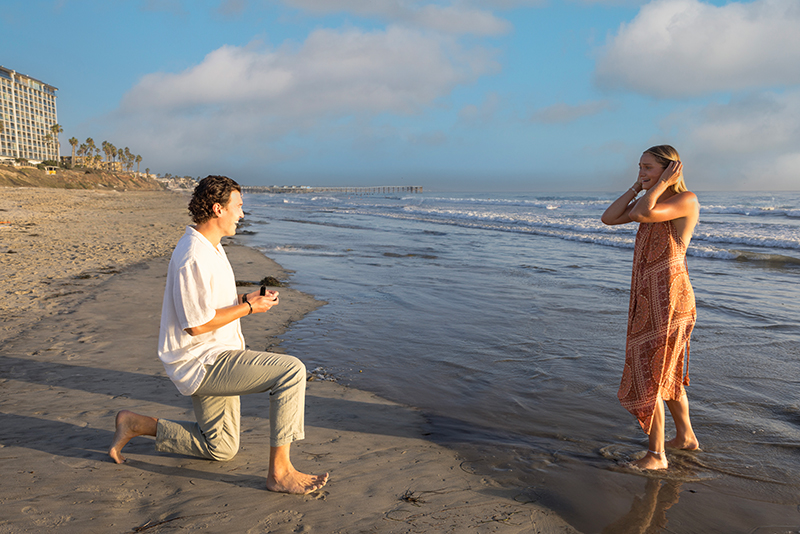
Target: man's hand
{"points": [[223, 316], [262, 304]]}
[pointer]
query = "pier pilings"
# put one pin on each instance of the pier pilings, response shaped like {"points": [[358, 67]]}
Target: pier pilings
{"points": [[372, 190]]}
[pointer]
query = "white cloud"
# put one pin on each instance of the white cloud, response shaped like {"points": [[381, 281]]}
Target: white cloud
{"points": [[754, 124], [232, 8], [240, 100], [352, 71], [749, 143], [563, 113], [612, 2], [505, 4], [459, 20], [455, 18], [680, 48]]}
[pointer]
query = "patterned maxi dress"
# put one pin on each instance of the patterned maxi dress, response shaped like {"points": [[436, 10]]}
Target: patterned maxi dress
{"points": [[660, 320]]}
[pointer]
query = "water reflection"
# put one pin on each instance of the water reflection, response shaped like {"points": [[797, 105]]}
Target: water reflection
{"points": [[648, 514]]}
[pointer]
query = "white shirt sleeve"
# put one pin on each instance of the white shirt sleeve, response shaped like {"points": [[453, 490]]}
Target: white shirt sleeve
{"points": [[194, 303]]}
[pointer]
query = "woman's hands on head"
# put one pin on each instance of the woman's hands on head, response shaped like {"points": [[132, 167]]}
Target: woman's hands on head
{"points": [[672, 173]]}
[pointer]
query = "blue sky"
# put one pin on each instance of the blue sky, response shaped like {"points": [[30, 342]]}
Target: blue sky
{"points": [[559, 95]]}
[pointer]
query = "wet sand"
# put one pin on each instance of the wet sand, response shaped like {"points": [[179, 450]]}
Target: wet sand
{"points": [[82, 288]]}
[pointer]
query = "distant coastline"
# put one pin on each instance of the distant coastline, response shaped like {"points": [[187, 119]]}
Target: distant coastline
{"points": [[83, 178], [87, 179]]}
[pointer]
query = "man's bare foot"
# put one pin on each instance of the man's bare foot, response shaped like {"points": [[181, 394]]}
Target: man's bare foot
{"points": [[652, 462], [129, 425], [688, 443], [293, 481]]}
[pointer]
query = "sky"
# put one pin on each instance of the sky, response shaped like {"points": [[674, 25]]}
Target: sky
{"points": [[458, 95]]}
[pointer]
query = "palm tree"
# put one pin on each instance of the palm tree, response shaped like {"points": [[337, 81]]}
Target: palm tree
{"points": [[112, 153], [47, 140], [111, 156], [138, 161], [82, 152], [74, 142], [90, 148], [56, 129]]}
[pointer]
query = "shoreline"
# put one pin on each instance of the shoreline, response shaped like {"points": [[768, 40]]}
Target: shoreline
{"points": [[92, 352], [522, 380]]}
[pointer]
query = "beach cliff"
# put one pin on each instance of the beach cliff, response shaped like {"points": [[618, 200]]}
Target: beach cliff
{"points": [[77, 179]]}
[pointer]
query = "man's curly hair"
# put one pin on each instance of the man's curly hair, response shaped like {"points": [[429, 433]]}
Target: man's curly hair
{"points": [[209, 191]]}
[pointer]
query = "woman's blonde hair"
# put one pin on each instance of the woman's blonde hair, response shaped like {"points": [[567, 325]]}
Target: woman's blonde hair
{"points": [[664, 154]]}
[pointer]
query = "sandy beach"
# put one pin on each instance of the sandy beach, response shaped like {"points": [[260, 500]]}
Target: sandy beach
{"points": [[82, 277], [56, 245]]}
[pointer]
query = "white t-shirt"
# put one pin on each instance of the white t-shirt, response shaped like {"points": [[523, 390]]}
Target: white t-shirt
{"points": [[199, 281]]}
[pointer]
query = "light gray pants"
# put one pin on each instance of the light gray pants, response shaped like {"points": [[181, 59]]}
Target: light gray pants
{"points": [[215, 435]]}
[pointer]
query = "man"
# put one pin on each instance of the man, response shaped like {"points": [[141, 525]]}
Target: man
{"points": [[203, 351]]}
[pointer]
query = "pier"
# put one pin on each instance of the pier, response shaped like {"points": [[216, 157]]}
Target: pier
{"points": [[374, 190]]}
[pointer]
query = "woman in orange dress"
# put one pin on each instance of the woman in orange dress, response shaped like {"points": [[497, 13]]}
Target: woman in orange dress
{"points": [[662, 306]]}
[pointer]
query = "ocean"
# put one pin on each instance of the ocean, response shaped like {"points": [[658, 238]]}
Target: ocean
{"points": [[502, 317]]}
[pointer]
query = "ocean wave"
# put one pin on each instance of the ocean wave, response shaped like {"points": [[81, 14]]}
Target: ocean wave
{"points": [[769, 260], [298, 250], [761, 206], [613, 236], [728, 223], [365, 202], [778, 237], [727, 237], [548, 203], [752, 211], [300, 199], [710, 252], [577, 224], [618, 238]]}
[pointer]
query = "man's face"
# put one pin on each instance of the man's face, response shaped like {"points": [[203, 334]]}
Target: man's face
{"points": [[231, 213]]}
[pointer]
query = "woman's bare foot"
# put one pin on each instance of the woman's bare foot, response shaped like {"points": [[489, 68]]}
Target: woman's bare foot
{"points": [[129, 425], [293, 481], [652, 461], [688, 443]]}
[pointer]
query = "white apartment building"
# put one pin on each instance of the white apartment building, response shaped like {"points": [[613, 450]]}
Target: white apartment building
{"points": [[27, 114]]}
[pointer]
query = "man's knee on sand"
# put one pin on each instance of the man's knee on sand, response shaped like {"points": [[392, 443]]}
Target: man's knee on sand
{"points": [[220, 442], [224, 446], [223, 449]]}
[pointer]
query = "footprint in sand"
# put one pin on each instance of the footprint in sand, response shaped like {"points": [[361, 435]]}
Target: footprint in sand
{"points": [[319, 495], [281, 518]]}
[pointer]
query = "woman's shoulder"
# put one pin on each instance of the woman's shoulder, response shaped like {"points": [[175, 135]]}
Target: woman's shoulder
{"points": [[685, 195], [686, 198]]}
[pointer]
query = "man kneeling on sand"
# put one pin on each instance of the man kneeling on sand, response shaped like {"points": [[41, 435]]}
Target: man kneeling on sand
{"points": [[203, 351]]}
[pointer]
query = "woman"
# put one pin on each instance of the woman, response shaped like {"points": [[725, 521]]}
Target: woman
{"points": [[662, 307]]}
